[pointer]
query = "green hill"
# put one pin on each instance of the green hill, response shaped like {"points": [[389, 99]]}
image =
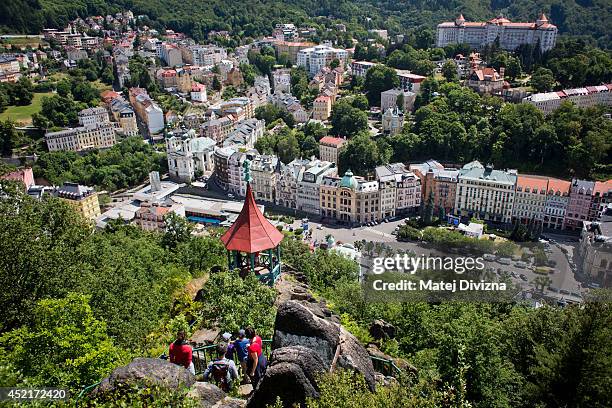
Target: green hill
{"points": [[255, 17]]}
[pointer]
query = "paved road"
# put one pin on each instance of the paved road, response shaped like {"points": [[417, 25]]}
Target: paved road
{"points": [[563, 278]]}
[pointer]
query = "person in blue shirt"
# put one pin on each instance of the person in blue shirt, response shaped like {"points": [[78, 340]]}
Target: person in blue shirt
{"points": [[240, 348]]}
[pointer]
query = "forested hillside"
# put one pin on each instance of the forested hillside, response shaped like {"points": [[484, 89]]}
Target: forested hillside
{"points": [[250, 18]]}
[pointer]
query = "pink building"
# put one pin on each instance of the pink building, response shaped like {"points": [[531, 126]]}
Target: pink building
{"points": [[26, 176], [579, 204]]}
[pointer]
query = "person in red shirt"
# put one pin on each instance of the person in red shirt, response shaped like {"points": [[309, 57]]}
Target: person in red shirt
{"points": [[181, 352], [253, 337], [256, 360]]}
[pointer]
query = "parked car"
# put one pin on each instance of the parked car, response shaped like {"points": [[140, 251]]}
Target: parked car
{"points": [[489, 257], [576, 295], [504, 261], [513, 274], [553, 289], [520, 264], [523, 277], [564, 292]]}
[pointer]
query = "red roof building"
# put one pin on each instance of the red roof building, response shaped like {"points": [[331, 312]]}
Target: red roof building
{"points": [[251, 232]]}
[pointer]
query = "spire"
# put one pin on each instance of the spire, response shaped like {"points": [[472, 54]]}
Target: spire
{"points": [[542, 20], [460, 20], [251, 232]]}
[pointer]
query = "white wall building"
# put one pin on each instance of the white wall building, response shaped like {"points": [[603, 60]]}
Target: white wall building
{"points": [[315, 58], [511, 35], [189, 156]]}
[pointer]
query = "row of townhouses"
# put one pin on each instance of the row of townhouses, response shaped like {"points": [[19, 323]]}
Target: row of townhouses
{"points": [[504, 196], [585, 97]]}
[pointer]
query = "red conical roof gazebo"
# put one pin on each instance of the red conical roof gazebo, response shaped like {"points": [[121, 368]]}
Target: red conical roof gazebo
{"points": [[251, 232], [252, 241]]}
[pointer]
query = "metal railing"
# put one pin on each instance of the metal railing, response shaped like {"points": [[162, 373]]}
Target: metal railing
{"points": [[203, 355]]}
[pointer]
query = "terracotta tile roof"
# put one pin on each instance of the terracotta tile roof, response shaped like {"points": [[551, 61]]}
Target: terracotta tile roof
{"points": [[532, 183], [558, 186], [333, 141]]}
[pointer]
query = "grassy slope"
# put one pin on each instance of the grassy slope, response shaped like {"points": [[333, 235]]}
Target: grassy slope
{"points": [[23, 114]]}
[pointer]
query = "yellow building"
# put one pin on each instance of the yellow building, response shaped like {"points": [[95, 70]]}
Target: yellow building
{"points": [[350, 200], [84, 199]]}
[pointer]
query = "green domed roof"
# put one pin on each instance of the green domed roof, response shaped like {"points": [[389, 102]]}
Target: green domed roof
{"points": [[348, 181]]}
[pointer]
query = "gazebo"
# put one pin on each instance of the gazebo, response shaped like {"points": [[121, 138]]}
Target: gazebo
{"points": [[252, 241]]}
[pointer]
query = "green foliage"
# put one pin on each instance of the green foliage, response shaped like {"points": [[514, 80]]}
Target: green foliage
{"points": [[542, 80], [407, 232], [178, 230], [125, 164], [270, 113], [66, 346], [323, 269], [361, 154], [146, 396], [348, 117], [379, 78], [231, 302], [449, 71]]}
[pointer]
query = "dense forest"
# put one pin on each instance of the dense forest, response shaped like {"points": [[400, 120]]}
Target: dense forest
{"points": [[253, 18]]}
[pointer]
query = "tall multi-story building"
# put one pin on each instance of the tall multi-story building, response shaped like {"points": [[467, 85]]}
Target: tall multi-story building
{"points": [[315, 58], [595, 250], [530, 199], [171, 55], [399, 190], [287, 182], [246, 134], [485, 193], [123, 113], [309, 182], [392, 121], [282, 80], [204, 55], [264, 174], [547, 102], [221, 158], [82, 198], [556, 203], [509, 34], [321, 108], [92, 116], [397, 98], [579, 204], [218, 129], [438, 182], [96, 136], [349, 200], [291, 48], [189, 156], [147, 110], [329, 148]]}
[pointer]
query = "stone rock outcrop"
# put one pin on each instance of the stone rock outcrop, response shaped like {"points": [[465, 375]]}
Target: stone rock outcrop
{"points": [[297, 325], [291, 376], [150, 371], [206, 394], [379, 329], [308, 340]]}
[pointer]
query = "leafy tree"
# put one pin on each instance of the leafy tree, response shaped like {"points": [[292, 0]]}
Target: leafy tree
{"points": [[378, 79], [346, 120], [449, 71], [288, 147], [542, 80], [65, 347], [8, 134], [361, 154], [177, 230], [232, 302]]}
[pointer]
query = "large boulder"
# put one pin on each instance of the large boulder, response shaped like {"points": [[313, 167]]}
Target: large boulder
{"points": [[311, 325], [206, 394], [291, 376], [379, 329], [298, 325], [147, 371]]}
